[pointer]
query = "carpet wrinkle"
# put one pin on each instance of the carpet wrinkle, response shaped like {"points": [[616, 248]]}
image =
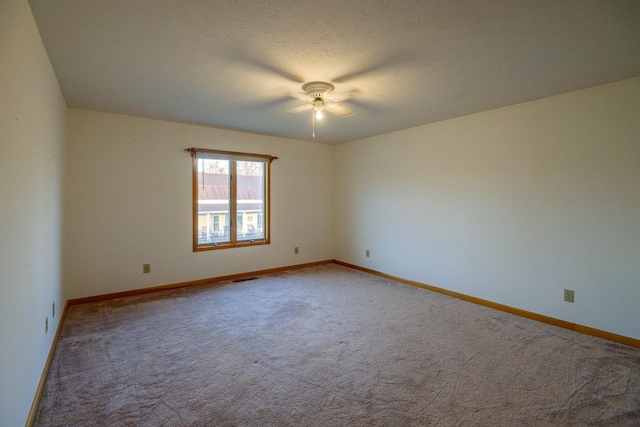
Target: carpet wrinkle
{"points": [[328, 346]]}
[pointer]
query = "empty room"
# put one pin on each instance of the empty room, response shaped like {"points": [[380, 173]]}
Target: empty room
{"points": [[296, 213]]}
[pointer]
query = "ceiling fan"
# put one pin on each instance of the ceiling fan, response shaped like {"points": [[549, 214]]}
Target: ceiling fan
{"points": [[318, 100]]}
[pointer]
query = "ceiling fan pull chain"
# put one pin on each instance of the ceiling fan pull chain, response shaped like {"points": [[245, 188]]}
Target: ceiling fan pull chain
{"points": [[313, 126]]}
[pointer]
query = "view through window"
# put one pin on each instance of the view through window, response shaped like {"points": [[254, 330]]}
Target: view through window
{"points": [[231, 199]]}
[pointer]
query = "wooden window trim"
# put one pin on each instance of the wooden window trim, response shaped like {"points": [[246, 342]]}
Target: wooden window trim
{"points": [[233, 157]]}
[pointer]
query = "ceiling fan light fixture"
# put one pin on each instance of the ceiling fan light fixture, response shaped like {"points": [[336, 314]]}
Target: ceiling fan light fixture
{"points": [[318, 108], [316, 92]]}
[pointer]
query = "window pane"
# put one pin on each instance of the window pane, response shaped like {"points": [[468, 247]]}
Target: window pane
{"points": [[213, 201], [230, 199], [250, 197]]}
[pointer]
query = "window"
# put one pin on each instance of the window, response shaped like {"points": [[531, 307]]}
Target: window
{"points": [[230, 199]]}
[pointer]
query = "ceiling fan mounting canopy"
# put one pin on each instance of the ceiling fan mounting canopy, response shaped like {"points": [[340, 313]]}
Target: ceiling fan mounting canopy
{"points": [[317, 89]]}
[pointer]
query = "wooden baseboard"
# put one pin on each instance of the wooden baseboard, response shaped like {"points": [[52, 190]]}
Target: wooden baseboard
{"points": [[45, 371], [135, 292], [621, 339]]}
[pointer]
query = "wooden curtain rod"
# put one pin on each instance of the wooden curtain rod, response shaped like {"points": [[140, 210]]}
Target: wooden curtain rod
{"points": [[194, 150]]}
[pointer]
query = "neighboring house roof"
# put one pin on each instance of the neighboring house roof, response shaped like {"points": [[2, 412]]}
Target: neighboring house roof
{"points": [[213, 193]]}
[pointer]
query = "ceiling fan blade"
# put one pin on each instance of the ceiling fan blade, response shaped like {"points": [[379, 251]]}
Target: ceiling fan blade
{"points": [[287, 93], [338, 110], [344, 96], [299, 109], [369, 106]]}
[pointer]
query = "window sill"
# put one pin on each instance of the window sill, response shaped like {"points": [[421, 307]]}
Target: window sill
{"points": [[226, 245]]}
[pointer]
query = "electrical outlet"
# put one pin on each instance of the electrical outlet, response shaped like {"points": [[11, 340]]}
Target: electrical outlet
{"points": [[46, 325], [146, 268], [568, 295], [368, 253], [295, 250]]}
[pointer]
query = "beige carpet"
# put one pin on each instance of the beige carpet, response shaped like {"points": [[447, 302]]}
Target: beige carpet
{"points": [[328, 346]]}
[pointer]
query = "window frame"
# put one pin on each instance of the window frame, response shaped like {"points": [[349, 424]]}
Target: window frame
{"points": [[233, 157]]}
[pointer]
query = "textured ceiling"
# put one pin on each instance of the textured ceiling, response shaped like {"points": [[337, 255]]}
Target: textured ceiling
{"points": [[235, 64]]}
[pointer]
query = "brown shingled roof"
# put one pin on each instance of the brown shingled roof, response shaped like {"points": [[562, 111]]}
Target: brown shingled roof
{"points": [[216, 187]]}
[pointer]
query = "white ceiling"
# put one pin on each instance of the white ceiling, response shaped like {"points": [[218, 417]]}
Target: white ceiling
{"points": [[234, 64]]}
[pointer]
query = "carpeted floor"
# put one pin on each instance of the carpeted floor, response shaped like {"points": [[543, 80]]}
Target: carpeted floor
{"points": [[328, 346]]}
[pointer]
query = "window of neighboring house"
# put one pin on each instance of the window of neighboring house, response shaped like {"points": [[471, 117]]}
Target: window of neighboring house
{"points": [[230, 199]]}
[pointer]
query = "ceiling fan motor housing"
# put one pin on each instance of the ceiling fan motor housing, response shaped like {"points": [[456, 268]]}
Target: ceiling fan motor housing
{"points": [[317, 90]]}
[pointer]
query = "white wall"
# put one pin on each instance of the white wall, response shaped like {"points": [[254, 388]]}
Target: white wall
{"points": [[32, 117], [128, 202], [511, 205]]}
